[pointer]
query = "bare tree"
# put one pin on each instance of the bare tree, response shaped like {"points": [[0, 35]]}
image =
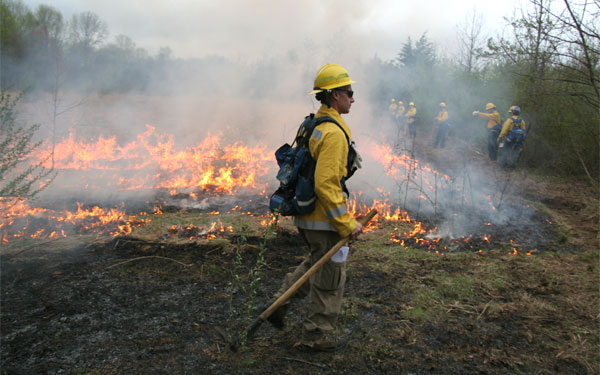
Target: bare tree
{"points": [[578, 46], [87, 30], [471, 41], [124, 43]]}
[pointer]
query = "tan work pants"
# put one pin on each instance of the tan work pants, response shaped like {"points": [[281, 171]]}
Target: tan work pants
{"points": [[325, 288]]}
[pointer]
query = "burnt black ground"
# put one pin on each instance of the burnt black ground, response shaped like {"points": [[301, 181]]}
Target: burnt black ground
{"points": [[133, 306], [70, 312]]}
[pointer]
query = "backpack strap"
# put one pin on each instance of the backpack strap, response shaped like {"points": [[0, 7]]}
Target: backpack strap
{"points": [[320, 120]]}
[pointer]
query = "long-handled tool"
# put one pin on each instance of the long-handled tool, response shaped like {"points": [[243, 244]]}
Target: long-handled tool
{"points": [[288, 293]]}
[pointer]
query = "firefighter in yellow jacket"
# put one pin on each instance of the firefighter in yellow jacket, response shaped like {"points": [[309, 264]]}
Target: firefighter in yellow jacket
{"points": [[411, 118], [512, 137], [393, 107], [494, 123], [442, 126], [330, 146]]}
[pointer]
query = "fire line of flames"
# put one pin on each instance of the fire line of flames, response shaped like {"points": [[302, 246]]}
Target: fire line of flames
{"points": [[18, 219], [208, 166], [153, 162]]}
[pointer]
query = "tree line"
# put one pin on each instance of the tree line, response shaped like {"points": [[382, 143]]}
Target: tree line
{"points": [[42, 50]]}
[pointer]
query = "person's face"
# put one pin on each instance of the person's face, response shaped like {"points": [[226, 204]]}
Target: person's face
{"points": [[343, 99]]}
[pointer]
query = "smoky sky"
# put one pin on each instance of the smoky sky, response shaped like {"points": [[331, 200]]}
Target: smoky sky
{"points": [[248, 30]]}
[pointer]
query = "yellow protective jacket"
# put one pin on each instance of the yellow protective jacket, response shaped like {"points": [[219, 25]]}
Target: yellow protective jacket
{"points": [[493, 118], [410, 114], [442, 116], [329, 148], [509, 124]]}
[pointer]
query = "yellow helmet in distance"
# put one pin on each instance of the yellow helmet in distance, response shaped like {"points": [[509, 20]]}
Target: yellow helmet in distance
{"points": [[411, 103], [442, 104], [489, 106], [331, 76]]}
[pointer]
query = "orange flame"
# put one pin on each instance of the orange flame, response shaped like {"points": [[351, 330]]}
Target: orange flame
{"points": [[153, 162]]}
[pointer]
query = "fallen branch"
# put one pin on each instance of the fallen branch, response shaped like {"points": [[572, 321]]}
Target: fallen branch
{"points": [[457, 307], [146, 257], [484, 308], [306, 362]]}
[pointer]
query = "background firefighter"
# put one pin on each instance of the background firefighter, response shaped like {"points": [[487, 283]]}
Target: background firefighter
{"points": [[393, 108], [512, 137], [330, 221], [442, 126], [494, 124], [411, 118]]}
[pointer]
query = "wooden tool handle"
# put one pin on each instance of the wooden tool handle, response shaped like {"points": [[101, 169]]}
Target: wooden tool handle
{"points": [[315, 267]]}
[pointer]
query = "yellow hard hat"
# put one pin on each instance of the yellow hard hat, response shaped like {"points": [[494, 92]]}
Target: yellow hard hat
{"points": [[393, 100], [400, 102], [411, 103], [442, 104], [511, 108], [331, 76], [489, 106]]}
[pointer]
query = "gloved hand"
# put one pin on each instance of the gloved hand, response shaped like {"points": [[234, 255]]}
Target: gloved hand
{"points": [[501, 144], [357, 231], [357, 159], [475, 113]]}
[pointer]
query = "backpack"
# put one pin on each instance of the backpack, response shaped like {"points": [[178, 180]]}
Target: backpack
{"points": [[296, 175], [517, 134]]}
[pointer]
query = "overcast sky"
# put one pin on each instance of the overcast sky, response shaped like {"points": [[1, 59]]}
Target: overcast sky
{"points": [[252, 29]]}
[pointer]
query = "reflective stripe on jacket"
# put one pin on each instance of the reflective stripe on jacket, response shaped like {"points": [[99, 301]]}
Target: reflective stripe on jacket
{"points": [[329, 148], [493, 118]]}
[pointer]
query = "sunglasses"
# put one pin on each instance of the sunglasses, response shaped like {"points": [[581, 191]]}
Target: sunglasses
{"points": [[350, 93]]}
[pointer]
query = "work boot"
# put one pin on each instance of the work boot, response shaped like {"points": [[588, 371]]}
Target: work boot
{"points": [[277, 318], [319, 341]]}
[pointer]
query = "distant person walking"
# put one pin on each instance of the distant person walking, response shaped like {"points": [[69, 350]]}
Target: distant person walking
{"points": [[442, 127], [512, 137], [494, 124]]}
